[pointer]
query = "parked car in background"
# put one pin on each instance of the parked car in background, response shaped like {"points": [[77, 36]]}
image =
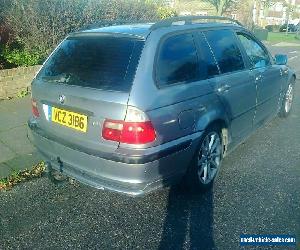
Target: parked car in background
{"points": [[291, 28], [272, 27], [132, 108]]}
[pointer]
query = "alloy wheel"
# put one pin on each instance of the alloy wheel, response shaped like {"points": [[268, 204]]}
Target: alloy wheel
{"points": [[288, 99], [209, 157]]}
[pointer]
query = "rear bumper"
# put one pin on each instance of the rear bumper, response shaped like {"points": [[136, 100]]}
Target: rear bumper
{"points": [[129, 174]]}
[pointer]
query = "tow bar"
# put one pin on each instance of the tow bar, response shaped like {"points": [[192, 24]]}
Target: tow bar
{"points": [[56, 177]]}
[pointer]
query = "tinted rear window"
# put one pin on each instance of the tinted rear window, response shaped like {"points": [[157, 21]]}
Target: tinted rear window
{"points": [[226, 50], [208, 67], [100, 62], [178, 60]]}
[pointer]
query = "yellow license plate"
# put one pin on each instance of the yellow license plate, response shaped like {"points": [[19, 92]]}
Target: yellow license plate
{"points": [[69, 119]]}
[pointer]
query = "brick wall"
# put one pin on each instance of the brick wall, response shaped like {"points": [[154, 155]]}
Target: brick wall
{"points": [[13, 81]]}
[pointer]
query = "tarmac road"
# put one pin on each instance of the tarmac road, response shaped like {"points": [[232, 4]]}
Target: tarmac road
{"points": [[257, 191]]}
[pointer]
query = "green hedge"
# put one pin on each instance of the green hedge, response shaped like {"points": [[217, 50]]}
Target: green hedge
{"points": [[37, 26], [19, 56]]}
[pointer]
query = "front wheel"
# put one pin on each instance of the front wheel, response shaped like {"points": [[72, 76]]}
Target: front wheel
{"points": [[206, 162], [287, 102]]}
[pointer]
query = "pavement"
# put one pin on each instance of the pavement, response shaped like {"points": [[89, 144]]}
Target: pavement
{"points": [[285, 44], [256, 192], [16, 152]]}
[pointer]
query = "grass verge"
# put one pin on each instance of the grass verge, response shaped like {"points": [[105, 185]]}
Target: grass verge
{"points": [[21, 176], [276, 37]]}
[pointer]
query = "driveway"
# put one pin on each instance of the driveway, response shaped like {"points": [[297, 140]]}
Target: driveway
{"points": [[257, 191]]}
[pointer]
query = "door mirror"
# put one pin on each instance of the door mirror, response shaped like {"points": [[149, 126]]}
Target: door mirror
{"points": [[281, 59]]}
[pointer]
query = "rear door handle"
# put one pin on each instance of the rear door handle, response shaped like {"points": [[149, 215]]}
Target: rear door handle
{"points": [[224, 88]]}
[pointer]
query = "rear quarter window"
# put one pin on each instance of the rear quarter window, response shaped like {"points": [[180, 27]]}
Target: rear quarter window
{"points": [[226, 50], [177, 60], [101, 62], [207, 64]]}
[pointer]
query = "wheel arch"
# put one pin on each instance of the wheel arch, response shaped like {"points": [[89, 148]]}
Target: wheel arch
{"points": [[294, 76], [291, 77], [215, 114], [223, 126]]}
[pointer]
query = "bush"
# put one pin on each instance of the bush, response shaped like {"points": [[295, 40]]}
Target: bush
{"points": [[19, 57], [165, 12], [15, 54], [39, 25]]}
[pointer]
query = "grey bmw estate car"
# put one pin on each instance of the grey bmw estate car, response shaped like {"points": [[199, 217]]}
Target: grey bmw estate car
{"points": [[132, 108]]}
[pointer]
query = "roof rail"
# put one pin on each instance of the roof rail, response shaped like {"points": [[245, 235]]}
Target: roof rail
{"points": [[190, 20], [105, 23]]}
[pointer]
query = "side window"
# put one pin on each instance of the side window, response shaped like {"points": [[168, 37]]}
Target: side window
{"points": [[257, 55], [226, 51], [177, 60], [207, 64]]}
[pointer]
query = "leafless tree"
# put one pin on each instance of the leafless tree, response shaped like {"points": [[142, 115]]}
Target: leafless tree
{"points": [[222, 6]]}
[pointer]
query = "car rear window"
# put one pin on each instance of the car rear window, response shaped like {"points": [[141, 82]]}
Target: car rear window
{"points": [[101, 62]]}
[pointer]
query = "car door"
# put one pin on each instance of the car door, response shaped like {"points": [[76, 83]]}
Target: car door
{"points": [[234, 86], [267, 77]]}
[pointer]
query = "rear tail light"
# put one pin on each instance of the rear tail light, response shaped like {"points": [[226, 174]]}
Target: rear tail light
{"points": [[128, 132], [34, 108], [136, 129]]}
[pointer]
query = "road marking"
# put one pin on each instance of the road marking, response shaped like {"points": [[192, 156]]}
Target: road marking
{"points": [[293, 52], [292, 58]]}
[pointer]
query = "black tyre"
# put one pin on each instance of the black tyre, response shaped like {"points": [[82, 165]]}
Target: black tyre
{"points": [[206, 162], [287, 101]]}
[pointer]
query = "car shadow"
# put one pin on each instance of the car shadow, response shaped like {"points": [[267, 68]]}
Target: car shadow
{"points": [[189, 221]]}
